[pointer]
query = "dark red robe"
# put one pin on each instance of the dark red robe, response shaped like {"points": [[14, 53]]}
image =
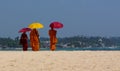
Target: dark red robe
{"points": [[23, 41]]}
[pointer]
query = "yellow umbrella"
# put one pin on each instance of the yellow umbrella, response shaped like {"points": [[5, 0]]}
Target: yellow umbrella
{"points": [[36, 25]]}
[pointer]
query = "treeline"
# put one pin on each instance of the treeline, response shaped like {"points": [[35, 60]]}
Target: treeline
{"points": [[86, 41], [9, 42], [75, 41]]}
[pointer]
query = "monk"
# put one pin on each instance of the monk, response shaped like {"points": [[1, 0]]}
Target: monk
{"points": [[53, 39], [34, 40], [23, 41]]}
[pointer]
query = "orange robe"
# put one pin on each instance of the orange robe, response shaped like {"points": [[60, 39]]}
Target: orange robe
{"points": [[53, 39], [23, 41], [34, 40]]}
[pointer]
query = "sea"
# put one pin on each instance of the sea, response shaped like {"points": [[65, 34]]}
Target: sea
{"points": [[69, 49]]}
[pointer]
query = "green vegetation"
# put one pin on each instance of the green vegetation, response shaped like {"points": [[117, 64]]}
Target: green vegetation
{"points": [[76, 41], [84, 41], [8, 42]]}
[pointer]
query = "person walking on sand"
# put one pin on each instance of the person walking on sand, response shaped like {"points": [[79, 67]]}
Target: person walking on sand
{"points": [[23, 41], [34, 40], [53, 39]]}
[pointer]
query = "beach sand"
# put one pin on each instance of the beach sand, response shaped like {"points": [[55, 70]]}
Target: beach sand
{"points": [[60, 61]]}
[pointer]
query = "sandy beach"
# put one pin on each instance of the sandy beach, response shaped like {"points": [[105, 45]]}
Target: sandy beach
{"points": [[60, 61]]}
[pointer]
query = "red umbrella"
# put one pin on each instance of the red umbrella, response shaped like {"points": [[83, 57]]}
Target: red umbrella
{"points": [[56, 25], [24, 30]]}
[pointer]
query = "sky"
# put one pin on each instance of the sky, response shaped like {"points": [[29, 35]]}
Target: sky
{"points": [[80, 17]]}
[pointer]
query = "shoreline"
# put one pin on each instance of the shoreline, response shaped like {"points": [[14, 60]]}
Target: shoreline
{"points": [[67, 49]]}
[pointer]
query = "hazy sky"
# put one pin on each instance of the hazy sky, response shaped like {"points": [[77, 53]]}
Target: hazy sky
{"points": [[80, 17]]}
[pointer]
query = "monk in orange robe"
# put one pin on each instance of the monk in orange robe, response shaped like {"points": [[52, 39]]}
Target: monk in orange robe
{"points": [[34, 40], [53, 39], [23, 41]]}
